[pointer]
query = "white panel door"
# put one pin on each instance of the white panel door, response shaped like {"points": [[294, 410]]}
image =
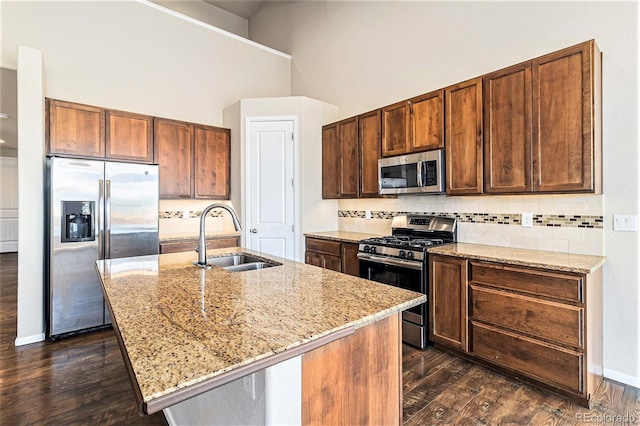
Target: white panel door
{"points": [[8, 204], [270, 198]]}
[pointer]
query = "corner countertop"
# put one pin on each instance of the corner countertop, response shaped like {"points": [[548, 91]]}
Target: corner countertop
{"points": [[184, 330], [567, 262], [346, 236]]}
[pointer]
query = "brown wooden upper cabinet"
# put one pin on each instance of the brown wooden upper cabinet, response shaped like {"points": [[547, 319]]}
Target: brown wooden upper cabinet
{"points": [[463, 119], [194, 159], [75, 129], [331, 162], [348, 137], [212, 163], [88, 131], [567, 117], [507, 136], [414, 125], [174, 155], [129, 136], [340, 159], [543, 124], [369, 153]]}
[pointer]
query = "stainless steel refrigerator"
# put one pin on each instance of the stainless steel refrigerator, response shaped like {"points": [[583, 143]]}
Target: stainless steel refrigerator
{"points": [[96, 210]]}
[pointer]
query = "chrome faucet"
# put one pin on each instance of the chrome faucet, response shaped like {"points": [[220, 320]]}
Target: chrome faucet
{"points": [[202, 244]]}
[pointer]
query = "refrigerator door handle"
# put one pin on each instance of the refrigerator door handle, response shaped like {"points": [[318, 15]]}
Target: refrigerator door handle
{"points": [[107, 221], [99, 219]]}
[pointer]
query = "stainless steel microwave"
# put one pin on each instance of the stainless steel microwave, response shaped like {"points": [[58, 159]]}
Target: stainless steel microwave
{"points": [[421, 173]]}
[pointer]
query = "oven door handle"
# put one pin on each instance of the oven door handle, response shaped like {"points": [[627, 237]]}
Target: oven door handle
{"points": [[391, 261]]}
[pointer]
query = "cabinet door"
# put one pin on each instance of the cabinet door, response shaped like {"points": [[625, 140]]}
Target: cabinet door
{"points": [[507, 130], [348, 135], [448, 301], [463, 118], [174, 155], [395, 129], [427, 122], [129, 136], [75, 129], [332, 262], [212, 162], [313, 258], [369, 145], [565, 99], [350, 262], [331, 175]]}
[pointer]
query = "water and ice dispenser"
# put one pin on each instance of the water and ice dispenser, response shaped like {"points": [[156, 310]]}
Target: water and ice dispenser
{"points": [[78, 218]]}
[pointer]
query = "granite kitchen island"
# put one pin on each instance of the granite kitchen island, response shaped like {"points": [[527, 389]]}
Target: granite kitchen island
{"points": [[295, 342]]}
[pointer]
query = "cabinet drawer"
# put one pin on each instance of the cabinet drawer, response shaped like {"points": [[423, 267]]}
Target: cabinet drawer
{"points": [[546, 320], [541, 361], [549, 284], [324, 246]]}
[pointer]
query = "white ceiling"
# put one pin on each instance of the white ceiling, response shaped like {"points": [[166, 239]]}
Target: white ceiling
{"points": [[243, 8]]}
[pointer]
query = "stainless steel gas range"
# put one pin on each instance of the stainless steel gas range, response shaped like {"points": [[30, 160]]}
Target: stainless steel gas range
{"points": [[401, 260]]}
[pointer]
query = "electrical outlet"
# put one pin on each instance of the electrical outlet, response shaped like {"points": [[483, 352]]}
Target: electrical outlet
{"points": [[367, 214], [249, 385], [185, 214], [625, 222], [527, 220]]}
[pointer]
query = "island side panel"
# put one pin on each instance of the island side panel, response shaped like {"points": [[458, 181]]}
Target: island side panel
{"points": [[357, 379]]}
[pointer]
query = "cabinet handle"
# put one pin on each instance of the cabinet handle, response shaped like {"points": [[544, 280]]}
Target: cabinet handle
{"points": [[253, 230]]}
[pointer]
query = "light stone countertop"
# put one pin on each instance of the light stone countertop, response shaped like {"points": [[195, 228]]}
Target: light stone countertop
{"points": [[567, 262], [182, 328], [347, 236]]}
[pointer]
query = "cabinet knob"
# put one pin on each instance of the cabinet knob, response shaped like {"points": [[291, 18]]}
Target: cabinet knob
{"points": [[253, 230]]}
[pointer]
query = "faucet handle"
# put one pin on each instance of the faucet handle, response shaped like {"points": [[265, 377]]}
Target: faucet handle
{"points": [[206, 245]]}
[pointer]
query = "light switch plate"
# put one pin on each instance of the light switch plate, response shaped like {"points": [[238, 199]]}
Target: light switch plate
{"points": [[185, 214], [367, 214], [625, 222], [527, 220]]}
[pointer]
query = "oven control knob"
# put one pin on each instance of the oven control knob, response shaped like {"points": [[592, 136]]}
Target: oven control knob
{"points": [[366, 249], [410, 255], [402, 253], [373, 249]]}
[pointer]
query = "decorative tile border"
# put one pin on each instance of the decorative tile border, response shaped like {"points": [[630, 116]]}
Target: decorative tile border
{"points": [[566, 221], [172, 214]]}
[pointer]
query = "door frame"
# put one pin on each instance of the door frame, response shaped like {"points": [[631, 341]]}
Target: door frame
{"points": [[249, 120]]}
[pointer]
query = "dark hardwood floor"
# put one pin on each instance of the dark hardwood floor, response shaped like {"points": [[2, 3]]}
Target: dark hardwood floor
{"points": [[439, 388], [82, 380]]}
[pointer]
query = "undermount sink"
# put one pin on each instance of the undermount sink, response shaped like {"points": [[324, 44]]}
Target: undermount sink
{"points": [[241, 262]]}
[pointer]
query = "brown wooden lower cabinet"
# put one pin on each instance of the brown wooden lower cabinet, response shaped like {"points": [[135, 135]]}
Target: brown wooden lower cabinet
{"points": [[190, 244], [543, 326], [356, 380], [335, 255]]}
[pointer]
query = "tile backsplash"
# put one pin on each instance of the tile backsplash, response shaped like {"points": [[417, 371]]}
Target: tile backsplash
{"points": [[181, 218], [563, 223]]}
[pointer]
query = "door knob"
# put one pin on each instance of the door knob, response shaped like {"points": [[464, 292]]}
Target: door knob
{"points": [[253, 230]]}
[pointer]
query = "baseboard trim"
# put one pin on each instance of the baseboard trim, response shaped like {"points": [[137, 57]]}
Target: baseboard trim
{"points": [[21, 341], [622, 378]]}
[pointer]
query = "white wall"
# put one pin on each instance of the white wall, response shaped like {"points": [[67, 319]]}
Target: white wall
{"points": [[125, 55], [136, 57], [209, 14], [8, 204], [31, 220], [314, 213], [364, 55]]}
